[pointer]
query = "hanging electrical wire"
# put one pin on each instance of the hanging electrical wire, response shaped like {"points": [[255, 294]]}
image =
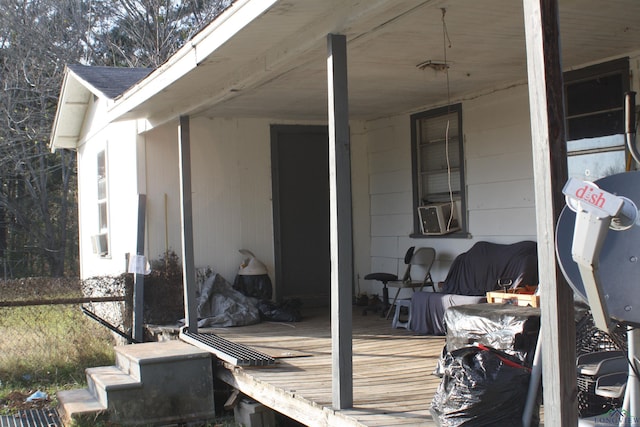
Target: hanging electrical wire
{"points": [[445, 39]]}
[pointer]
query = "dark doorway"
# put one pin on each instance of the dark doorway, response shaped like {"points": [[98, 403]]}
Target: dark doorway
{"points": [[300, 174]]}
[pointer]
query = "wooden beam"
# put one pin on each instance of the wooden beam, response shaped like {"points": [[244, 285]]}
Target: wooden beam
{"points": [[186, 214], [550, 174], [340, 223]]}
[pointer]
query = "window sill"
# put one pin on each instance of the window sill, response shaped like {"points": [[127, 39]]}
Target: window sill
{"points": [[458, 235]]}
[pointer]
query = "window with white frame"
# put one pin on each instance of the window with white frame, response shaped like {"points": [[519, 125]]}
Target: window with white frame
{"points": [[594, 104], [101, 241], [438, 173]]}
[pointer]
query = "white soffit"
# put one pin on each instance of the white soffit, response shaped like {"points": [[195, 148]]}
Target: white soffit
{"points": [[267, 58], [72, 107]]}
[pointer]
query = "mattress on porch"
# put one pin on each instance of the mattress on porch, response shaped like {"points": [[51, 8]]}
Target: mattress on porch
{"points": [[428, 308]]}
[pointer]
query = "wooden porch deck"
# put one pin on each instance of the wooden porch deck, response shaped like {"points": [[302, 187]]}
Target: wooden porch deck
{"points": [[393, 382]]}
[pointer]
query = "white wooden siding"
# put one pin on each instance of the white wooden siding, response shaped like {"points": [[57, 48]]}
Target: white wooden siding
{"points": [[118, 140], [490, 196], [361, 204], [162, 184], [231, 183], [232, 187], [391, 203], [499, 182]]}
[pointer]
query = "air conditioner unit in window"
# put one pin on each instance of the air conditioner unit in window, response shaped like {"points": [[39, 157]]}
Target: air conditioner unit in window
{"points": [[100, 244], [438, 219]]}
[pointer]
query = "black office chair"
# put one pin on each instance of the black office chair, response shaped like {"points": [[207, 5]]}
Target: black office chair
{"points": [[423, 257]]}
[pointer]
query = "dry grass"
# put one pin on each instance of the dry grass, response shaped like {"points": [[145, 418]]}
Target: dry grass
{"points": [[46, 347], [33, 288]]}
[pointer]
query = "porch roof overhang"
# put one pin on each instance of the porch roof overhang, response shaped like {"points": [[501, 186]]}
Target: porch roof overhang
{"points": [[267, 58]]}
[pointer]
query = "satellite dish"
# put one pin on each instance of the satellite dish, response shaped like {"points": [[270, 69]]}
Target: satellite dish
{"points": [[619, 269]]}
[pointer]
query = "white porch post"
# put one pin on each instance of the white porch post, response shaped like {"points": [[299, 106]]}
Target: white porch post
{"points": [[186, 214], [340, 223], [550, 174]]}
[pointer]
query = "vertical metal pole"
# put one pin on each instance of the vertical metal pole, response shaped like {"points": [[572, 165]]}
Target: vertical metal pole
{"points": [[341, 241], [534, 385], [138, 278], [632, 392], [186, 214]]}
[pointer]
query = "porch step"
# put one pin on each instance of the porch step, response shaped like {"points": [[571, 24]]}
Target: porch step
{"points": [[151, 383], [111, 383], [138, 360], [78, 404]]}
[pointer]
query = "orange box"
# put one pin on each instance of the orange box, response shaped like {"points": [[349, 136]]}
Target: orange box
{"points": [[516, 299]]}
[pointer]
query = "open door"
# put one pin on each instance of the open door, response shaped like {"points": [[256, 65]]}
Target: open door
{"points": [[300, 176]]}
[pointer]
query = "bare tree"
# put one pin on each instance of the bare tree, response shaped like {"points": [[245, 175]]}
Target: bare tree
{"points": [[37, 204], [38, 221], [144, 33]]}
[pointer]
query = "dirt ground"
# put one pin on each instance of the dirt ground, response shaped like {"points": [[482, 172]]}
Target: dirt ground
{"points": [[17, 401]]}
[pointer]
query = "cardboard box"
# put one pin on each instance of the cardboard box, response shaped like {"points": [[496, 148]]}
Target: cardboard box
{"points": [[513, 298]]}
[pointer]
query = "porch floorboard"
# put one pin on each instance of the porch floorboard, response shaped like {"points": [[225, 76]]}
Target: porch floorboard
{"points": [[393, 382]]}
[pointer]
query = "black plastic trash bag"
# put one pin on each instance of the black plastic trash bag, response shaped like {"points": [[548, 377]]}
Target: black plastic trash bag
{"points": [[481, 387], [252, 278], [509, 328], [288, 311], [257, 286]]}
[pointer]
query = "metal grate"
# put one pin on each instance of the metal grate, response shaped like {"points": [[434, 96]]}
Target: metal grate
{"points": [[32, 418], [234, 353]]}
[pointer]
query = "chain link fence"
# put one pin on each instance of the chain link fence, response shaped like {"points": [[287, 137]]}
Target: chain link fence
{"points": [[44, 335]]}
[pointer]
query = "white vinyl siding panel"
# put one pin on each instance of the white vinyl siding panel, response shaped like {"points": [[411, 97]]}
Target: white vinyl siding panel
{"points": [[390, 182], [384, 247], [231, 193], [391, 203], [391, 225], [499, 181], [490, 196]]}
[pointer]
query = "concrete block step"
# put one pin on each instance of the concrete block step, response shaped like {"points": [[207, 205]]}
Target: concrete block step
{"points": [[151, 384], [79, 405], [130, 358], [105, 382]]}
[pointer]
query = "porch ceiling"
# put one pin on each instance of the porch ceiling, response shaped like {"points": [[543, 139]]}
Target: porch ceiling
{"points": [[276, 65]]}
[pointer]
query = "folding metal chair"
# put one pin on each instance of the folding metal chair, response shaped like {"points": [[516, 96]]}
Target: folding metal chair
{"points": [[423, 257]]}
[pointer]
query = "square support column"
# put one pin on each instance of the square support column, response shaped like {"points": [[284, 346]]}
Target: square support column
{"points": [[186, 215], [340, 223]]}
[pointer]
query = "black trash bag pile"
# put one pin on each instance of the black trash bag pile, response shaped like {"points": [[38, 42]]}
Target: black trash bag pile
{"points": [[504, 327], [288, 311], [252, 278], [255, 286], [481, 386]]}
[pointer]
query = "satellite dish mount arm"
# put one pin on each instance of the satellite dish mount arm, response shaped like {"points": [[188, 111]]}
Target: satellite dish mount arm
{"points": [[596, 212]]}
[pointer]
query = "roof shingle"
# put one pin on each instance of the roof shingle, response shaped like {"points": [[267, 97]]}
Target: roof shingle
{"points": [[111, 81]]}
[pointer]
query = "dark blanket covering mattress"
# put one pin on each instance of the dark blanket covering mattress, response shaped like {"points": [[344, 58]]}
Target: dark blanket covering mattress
{"points": [[428, 308], [471, 276], [477, 271]]}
